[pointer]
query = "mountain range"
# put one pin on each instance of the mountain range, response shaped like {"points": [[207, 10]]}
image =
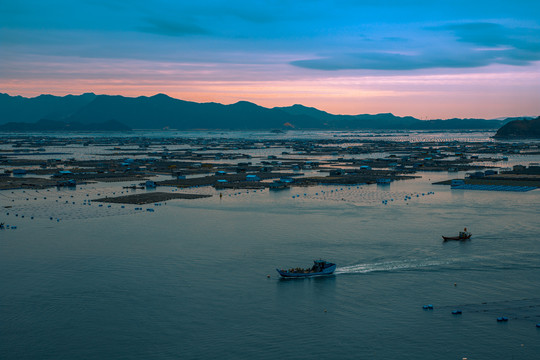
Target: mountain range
{"points": [[117, 113]]}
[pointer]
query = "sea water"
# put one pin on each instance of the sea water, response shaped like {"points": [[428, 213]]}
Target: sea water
{"points": [[196, 279]]}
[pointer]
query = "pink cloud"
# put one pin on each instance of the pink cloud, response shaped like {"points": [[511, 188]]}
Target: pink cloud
{"points": [[493, 91]]}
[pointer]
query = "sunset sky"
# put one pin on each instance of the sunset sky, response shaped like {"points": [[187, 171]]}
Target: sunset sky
{"points": [[428, 59]]}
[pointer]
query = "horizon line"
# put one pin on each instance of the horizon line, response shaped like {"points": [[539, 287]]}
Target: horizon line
{"points": [[275, 107]]}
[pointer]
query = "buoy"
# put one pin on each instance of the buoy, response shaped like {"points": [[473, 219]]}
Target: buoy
{"points": [[455, 284], [268, 276], [502, 319]]}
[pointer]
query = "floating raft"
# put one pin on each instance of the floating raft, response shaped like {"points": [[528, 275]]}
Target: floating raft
{"points": [[494, 187], [150, 197]]}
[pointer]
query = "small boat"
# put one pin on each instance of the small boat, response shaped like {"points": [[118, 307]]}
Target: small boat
{"points": [[463, 235], [319, 268]]}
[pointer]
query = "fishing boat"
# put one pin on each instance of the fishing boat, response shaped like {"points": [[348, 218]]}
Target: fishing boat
{"points": [[463, 235], [319, 268]]}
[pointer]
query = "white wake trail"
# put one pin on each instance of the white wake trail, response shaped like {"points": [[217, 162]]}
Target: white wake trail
{"points": [[389, 266]]}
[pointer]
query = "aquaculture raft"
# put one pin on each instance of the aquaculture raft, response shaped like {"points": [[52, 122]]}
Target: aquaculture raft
{"points": [[493, 187], [151, 197]]}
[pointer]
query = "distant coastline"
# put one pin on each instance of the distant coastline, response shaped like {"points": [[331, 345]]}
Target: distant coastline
{"points": [[61, 126], [91, 112]]}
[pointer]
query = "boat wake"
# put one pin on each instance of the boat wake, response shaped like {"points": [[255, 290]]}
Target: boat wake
{"points": [[389, 266]]}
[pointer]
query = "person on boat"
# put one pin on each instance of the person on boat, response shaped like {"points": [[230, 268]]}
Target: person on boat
{"points": [[1, 225]]}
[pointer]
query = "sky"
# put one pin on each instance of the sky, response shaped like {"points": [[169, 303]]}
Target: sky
{"points": [[428, 59]]}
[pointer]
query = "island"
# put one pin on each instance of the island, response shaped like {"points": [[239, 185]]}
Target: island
{"points": [[520, 129]]}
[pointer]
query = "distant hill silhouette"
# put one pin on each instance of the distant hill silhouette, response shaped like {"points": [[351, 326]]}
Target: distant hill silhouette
{"points": [[525, 129], [21, 109], [160, 111], [366, 121], [390, 121]]}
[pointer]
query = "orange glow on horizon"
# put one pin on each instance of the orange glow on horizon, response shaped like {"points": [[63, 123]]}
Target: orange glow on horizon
{"points": [[482, 95]]}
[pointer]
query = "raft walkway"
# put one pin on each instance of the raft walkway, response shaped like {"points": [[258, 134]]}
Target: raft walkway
{"points": [[494, 187]]}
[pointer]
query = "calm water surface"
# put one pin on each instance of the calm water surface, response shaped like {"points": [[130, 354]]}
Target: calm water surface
{"points": [[189, 280]]}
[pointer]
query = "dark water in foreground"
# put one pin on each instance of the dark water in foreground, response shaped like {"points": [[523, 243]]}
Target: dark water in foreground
{"points": [[189, 281]]}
